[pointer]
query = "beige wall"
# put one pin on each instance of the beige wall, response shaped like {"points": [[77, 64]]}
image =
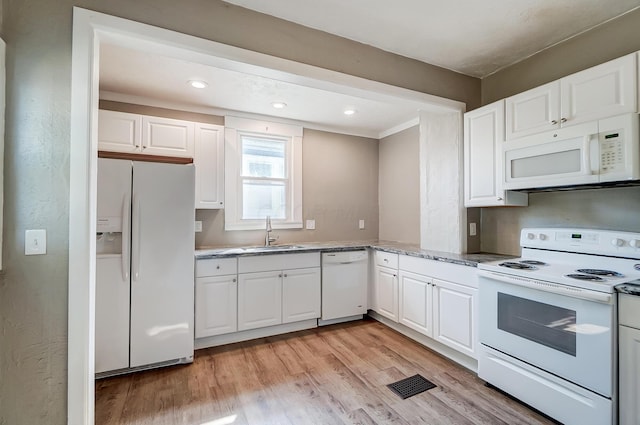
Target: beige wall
{"points": [[339, 181], [33, 290], [602, 208], [608, 41], [399, 187], [339, 187], [612, 209]]}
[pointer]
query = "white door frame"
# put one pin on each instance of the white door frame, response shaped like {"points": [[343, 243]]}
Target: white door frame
{"points": [[89, 30]]}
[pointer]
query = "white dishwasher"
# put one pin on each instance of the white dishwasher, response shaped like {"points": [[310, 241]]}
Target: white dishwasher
{"points": [[344, 286]]}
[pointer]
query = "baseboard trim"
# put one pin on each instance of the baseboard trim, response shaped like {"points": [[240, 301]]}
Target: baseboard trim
{"points": [[214, 341]]}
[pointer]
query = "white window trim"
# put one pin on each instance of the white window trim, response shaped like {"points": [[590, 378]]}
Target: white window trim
{"points": [[234, 128]]}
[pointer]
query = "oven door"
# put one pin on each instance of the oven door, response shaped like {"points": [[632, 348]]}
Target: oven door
{"points": [[569, 337]]}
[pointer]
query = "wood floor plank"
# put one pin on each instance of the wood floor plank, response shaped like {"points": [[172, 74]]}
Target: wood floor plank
{"points": [[336, 374]]}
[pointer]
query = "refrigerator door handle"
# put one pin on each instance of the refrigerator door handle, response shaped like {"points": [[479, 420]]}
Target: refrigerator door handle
{"points": [[135, 239], [126, 236]]}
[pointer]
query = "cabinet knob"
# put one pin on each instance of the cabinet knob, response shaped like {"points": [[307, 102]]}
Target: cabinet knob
{"points": [[234, 280], [499, 198], [285, 275], [220, 202], [554, 122], [280, 275], [218, 267], [137, 146], [434, 285], [563, 120]]}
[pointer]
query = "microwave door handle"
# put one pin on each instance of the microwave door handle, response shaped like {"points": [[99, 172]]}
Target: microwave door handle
{"points": [[594, 153], [587, 161]]}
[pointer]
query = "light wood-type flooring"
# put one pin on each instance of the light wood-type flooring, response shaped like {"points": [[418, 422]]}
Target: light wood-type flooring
{"points": [[330, 375]]}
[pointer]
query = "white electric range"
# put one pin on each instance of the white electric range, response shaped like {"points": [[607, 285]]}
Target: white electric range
{"points": [[548, 321]]}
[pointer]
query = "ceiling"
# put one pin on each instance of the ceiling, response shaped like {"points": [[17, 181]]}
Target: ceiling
{"points": [[470, 36], [473, 37], [147, 78]]}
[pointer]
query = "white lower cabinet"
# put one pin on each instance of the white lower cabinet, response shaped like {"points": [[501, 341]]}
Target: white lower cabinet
{"points": [[415, 302], [629, 359], [386, 292], [216, 305], [454, 310], [277, 289], [421, 295], [259, 300], [300, 294], [216, 297]]}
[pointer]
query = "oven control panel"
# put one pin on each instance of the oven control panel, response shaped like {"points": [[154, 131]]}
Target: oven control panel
{"points": [[586, 241]]}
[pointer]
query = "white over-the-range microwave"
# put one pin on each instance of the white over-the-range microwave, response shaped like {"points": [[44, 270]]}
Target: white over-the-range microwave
{"points": [[603, 151]]}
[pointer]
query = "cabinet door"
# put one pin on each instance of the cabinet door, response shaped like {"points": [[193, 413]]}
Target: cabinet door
{"points": [[300, 294], [259, 300], [168, 137], [209, 161], [629, 375], [216, 305], [599, 92], [386, 282], [454, 316], [415, 302], [119, 131], [533, 111], [483, 169]]}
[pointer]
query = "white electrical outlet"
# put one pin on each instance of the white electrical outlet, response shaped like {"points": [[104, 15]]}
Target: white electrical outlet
{"points": [[311, 225], [198, 226], [472, 229], [35, 242], [361, 224]]}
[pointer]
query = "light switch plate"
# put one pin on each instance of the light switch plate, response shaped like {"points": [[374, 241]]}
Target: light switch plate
{"points": [[472, 229], [311, 225], [35, 242], [361, 224], [198, 226]]}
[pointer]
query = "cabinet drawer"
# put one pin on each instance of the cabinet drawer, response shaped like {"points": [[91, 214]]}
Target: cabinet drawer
{"points": [[457, 273], [629, 310], [216, 266], [387, 259], [265, 263]]}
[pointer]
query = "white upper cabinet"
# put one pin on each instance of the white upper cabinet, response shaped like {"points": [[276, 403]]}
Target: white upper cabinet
{"points": [[533, 111], [208, 159], [166, 136], [119, 131], [601, 91], [483, 139], [134, 133]]}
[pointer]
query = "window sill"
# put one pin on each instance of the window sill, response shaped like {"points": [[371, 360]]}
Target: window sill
{"points": [[261, 226]]}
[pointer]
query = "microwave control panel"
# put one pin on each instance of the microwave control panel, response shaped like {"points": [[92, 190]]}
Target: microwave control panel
{"points": [[611, 152]]}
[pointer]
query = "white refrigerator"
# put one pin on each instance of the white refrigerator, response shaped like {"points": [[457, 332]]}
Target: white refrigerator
{"points": [[145, 265]]}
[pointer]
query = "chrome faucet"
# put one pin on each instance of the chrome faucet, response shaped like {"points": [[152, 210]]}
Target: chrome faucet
{"points": [[267, 238]]}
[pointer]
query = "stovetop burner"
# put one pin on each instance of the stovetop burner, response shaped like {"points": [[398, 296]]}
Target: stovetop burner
{"points": [[599, 272], [519, 266], [533, 262], [589, 277]]}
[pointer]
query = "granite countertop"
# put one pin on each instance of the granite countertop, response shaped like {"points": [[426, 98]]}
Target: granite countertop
{"points": [[470, 260]]}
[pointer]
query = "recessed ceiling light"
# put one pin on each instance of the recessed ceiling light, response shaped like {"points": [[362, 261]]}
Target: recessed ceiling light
{"points": [[198, 84], [349, 111], [279, 105]]}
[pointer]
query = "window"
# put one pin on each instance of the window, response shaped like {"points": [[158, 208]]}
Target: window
{"points": [[263, 174]]}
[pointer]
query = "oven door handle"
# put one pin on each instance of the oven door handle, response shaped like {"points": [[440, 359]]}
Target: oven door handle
{"points": [[554, 288]]}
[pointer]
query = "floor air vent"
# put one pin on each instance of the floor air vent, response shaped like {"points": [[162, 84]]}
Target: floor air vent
{"points": [[411, 386]]}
